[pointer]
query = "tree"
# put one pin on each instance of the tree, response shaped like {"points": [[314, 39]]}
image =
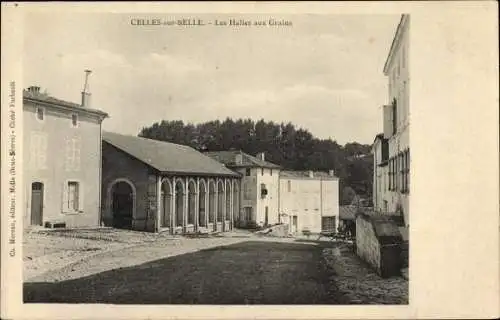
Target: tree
{"points": [[284, 144]]}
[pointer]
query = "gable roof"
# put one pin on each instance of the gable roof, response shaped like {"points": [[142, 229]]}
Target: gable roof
{"points": [[229, 159], [168, 157], [44, 99]]}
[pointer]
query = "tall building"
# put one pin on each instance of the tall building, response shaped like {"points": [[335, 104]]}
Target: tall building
{"points": [[62, 152], [259, 187], [391, 149]]}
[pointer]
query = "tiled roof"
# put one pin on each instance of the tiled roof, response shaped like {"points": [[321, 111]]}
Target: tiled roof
{"points": [[168, 157], [46, 99], [229, 159], [306, 174]]}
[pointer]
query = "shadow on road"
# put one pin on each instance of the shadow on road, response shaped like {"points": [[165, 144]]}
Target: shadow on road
{"points": [[250, 272]]}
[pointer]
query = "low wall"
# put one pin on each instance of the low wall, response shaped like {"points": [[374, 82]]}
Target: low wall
{"points": [[378, 242], [279, 230]]}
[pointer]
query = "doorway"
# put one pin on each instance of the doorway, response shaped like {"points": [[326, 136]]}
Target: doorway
{"points": [[37, 203], [266, 217], [294, 224], [122, 196]]}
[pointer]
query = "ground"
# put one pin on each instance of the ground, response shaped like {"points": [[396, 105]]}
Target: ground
{"points": [[125, 267]]}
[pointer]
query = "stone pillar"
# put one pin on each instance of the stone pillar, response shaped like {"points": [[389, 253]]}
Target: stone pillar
{"points": [[197, 205], [159, 206], [207, 199], [186, 205], [173, 216], [216, 203], [224, 205]]}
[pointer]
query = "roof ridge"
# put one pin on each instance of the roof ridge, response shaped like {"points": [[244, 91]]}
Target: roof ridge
{"points": [[150, 139]]}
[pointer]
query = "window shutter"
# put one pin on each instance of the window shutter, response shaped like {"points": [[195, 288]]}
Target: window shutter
{"points": [[387, 121], [64, 198], [81, 200]]}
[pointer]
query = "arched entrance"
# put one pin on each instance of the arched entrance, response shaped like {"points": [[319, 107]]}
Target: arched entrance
{"points": [[220, 203], [228, 194], [202, 218], [236, 203], [179, 203], [191, 202], [122, 204], [211, 204], [166, 201]]}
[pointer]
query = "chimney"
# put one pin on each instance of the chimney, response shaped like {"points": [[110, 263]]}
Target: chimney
{"points": [[86, 93], [34, 89], [311, 174], [331, 173], [261, 156]]}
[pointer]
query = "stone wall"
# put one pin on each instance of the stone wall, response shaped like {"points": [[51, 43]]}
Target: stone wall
{"points": [[378, 242]]}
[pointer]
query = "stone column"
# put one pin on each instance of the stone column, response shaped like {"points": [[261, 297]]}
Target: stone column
{"points": [[216, 203], [186, 205], [158, 203], [173, 216], [197, 205]]}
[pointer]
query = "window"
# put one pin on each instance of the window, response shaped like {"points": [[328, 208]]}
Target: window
{"points": [[74, 120], [40, 113], [394, 116], [73, 146], [73, 196], [261, 171], [271, 171], [406, 171], [247, 191], [72, 200], [38, 150], [289, 186], [247, 172]]}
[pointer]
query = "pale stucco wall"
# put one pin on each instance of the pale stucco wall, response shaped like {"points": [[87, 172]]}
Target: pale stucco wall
{"points": [[269, 177], [398, 88], [57, 127], [309, 199]]}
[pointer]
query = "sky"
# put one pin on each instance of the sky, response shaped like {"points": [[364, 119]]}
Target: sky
{"points": [[323, 73]]}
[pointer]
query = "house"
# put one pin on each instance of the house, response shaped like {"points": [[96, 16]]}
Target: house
{"points": [[391, 150], [158, 186], [259, 185], [305, 200], [380, 151], [62, 168], [309, 200]]}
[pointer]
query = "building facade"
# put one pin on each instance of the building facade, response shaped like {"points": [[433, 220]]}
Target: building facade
{"points": [[305, 200], [157, 186], [259, 187], [309, 201], [380, 151], [392, 171], [62, 168]]}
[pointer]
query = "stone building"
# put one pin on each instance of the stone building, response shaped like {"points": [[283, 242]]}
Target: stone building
{"points": [[158, 186], [259, 185], [309, 200], [62, 160], [305, 200], [391, 150]]}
